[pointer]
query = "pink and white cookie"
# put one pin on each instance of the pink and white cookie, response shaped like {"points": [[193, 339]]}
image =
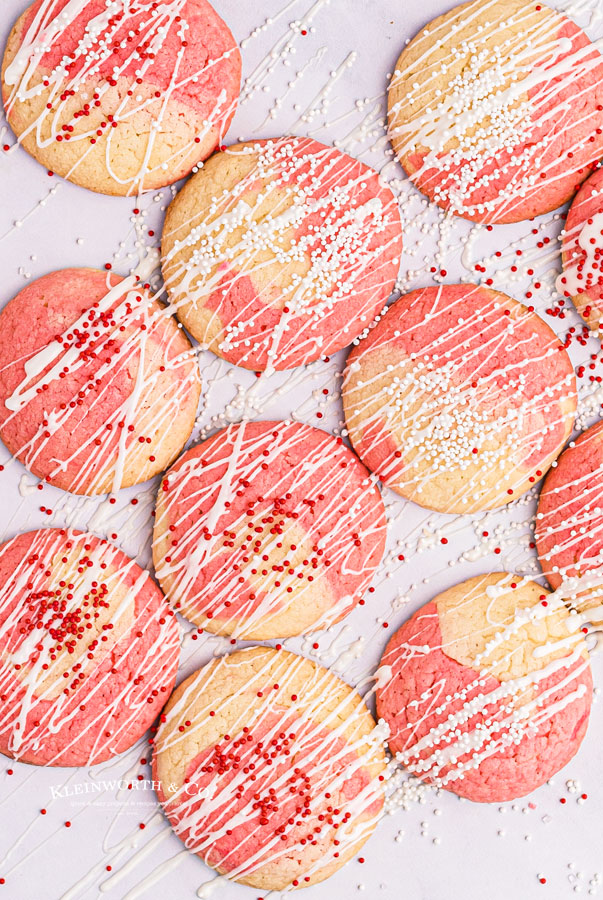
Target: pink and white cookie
{"points": [[88, 649], [267, 529], [460, 398], [495, 109], [280, 252], [569, 522], [271, 768], [120, 96], [99, 386], [582, 251], [487, 689]]}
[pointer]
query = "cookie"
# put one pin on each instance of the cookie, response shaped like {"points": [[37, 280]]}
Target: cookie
{"points": [[88, 649], [460, 398], [280, 252], [270, 768], [267, 529], [582, 250], [495, 109], [119, 97], [77, 408], [569, 521], [487, 689]]}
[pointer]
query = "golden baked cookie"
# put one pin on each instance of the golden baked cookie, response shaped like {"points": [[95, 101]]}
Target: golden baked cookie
{"points": [[270, 768], [460, 398]]}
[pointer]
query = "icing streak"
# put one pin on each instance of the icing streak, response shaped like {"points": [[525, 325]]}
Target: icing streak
{"points": [[459, 398], [83, 78], [289, 787], [88, 649], [280, 252], [92, 390], [267, 529], [494, 109], [495, 724]]}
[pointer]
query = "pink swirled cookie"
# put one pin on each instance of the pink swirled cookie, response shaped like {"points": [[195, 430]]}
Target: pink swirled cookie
{"points": [[88, 649], [270, 767], [100, 389], [582, 251], [569, 521], [495, 109], [487, 689], [267, 529], [280, 252], [460, 398], [120, 96]]}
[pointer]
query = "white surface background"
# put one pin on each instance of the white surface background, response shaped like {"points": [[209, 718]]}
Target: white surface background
{"points": [[446, 849]]}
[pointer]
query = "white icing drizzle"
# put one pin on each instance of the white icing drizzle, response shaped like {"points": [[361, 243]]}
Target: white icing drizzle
{"points": [[87, 74], [292, 543], [326, 758], [585, 269], [464, 402], [569, 522], [348, 257], [86, 581], [487, 131], [496, 717], [503, 534], [127, 317]]}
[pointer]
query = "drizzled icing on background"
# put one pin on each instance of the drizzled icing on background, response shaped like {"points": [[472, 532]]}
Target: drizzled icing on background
{"points": [[431, 244], [495, 110], [280, 252], [459, 398], [267, 529], [121, 96], [289, 762], [88, 649]]}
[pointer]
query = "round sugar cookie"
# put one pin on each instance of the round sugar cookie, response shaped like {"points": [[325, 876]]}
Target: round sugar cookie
{"points": [[88, 649], [279, 252], [120, 97], [495, 109], [77, 406], [487, 689], [267, 529], [569, 522], [582, 251], [270, 768], [460, 398]]}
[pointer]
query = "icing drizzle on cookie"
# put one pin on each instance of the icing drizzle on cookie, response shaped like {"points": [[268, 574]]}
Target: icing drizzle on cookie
{"points": [[75, 682], [267, 529], [88, 75]]}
